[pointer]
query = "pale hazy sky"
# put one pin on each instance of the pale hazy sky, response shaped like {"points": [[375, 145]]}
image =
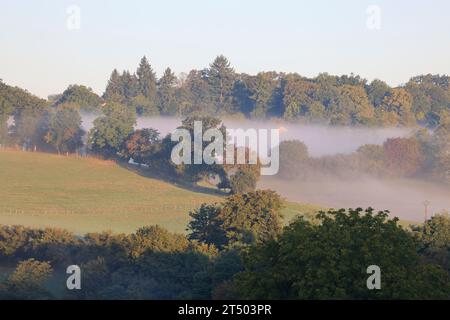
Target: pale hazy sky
{"points": [[40, 53]]}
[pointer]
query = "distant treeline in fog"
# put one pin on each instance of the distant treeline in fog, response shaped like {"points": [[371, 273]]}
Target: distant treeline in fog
{"points": [[220, 90], [422, 155]]}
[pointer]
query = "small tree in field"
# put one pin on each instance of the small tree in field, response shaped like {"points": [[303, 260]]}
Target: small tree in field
{"points": [[141, 144], [111, 130]]}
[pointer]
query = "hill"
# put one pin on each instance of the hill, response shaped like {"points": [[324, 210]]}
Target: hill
{"points": [[91, 195]]}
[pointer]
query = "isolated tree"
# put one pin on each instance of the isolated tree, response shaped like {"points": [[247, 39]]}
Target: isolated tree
{"points": [[166, 93], [221, 78], [111, 130], [197, 172], [141, 145], [64, 129]]}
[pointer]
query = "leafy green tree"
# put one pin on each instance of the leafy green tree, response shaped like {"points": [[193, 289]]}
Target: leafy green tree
{"points": [[197, 172], [194, 95], [82, 96], [64, 130], [376, 91], [329, 260], [243, 219], [111, 130], [396, 108], [155, 238], [262, 88], [350, 106], [297, 96], [144, 106], [206, 225], [252, 217], [27, 281], [166, 93], [141, 145], [434, 236], [243, 181]]}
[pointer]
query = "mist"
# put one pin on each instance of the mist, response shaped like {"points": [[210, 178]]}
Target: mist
{"points": [[402, 197], [320, 140]]}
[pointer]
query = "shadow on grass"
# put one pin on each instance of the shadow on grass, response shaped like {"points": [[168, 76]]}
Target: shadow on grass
{"points": [[166, 177]]}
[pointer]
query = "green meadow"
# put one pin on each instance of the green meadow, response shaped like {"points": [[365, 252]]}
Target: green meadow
{"points": [[91, 195]]}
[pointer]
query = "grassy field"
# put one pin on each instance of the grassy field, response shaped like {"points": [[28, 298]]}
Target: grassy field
{"points": [[91, 195]]}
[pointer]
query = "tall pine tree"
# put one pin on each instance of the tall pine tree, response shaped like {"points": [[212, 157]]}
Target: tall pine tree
{"points": [[221, 78], [114, 90], [166, 93], [146, 80]]}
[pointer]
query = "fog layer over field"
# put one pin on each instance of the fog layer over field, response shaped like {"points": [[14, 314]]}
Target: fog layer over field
{"points": [[403, 197], [321, 140]]}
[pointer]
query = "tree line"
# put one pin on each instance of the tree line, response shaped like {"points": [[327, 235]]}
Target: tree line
{"points": [[219, 89], [237, 249], [424, 155]]}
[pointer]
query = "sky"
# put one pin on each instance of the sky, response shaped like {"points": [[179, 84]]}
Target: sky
{"points": [[46, 45]]}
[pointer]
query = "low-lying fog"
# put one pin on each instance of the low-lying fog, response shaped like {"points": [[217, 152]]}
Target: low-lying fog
{"points": [[403, 197], [321, 140]]}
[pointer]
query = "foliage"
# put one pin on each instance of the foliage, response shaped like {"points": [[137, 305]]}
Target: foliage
{"points": [[27, 281], [293, 159], [64, 129], [81, 96], [141, 145], [111, 130], [329, 261], [242, 219]]}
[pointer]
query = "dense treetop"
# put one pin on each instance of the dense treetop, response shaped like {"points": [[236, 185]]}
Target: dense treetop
{"points": [[220, 89]]}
